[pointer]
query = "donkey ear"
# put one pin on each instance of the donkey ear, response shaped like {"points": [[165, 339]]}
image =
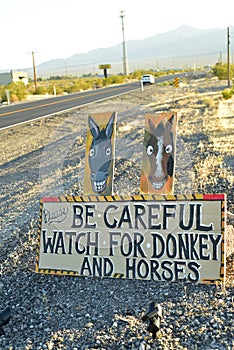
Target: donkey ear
{"points": [[110, 126], [94, 129]]}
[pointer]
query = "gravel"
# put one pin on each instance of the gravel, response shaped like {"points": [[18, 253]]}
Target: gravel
{"points": [[47, 158]]}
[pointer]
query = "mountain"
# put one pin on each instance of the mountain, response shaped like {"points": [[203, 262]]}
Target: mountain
{"points": [[184, 46]]}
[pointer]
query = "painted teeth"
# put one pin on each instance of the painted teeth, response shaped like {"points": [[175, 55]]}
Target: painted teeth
{"points": [[99, 185], [158, 185]]}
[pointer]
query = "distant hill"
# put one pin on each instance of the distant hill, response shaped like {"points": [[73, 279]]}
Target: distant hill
{"points": [[184, 46]]}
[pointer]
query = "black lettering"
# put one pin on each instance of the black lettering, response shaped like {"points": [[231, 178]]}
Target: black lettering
{"points": [[215, 243], [137, 245], [77, 216], [202, 246], [49, 242], [106, 212], [126, 237], [77, 244], [89, 214], [194, 267], [193, 241], [153, 216], [142, 269], [139, 212], [183, 245], [92, 243], [179, 267], [157, 238], [171, 243], [70, 235], [154, 266], [97, 267], [125, 217], [108, 267], [168, 269], [86, 267], [113, 242], [182, 217], [167, 214], [102, 267], [60, 243], [199, 225], [130, 268]]}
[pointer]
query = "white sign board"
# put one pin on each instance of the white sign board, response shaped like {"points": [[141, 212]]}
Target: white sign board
{"points": [[149, 237]]}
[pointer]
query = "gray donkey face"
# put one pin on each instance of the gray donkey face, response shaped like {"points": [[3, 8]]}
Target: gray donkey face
{"points": [[100, 154]]}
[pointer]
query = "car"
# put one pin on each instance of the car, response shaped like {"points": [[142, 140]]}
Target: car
{"points": [[147, 79]]}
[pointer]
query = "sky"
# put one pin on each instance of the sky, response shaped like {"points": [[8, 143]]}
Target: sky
{"points": [[61, 28]]}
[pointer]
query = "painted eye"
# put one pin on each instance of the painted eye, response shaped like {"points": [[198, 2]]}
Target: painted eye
{"points": [[150, 150], [168, 148], [91, 152], [108, 151]]}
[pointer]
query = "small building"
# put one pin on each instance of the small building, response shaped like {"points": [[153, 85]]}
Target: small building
{"points": [[13, 76]]}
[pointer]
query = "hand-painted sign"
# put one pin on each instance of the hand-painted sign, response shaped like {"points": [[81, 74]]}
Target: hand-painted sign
{"points": [[100, 154], [151, 237], [157, 175]]}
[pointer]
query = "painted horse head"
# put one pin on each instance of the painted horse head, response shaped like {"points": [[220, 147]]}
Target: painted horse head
{"points": [[160, 150], [100, 154]]}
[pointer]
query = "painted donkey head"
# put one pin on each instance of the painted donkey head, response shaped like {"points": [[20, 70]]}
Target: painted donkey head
{"points": [[160, 150], [100, 154]]}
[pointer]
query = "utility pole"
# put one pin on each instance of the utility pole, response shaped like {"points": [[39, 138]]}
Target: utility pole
{"points": [[228, 57], [125, 64], [34, 71]]}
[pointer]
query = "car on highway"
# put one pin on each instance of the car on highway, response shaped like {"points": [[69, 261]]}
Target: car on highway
{"points": [[147, 79]]}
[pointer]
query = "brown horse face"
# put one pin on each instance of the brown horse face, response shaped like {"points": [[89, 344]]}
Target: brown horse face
{"points": [[159, 149]]}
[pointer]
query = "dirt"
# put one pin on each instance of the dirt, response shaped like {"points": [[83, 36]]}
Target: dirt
{"points": [[46, 157]]}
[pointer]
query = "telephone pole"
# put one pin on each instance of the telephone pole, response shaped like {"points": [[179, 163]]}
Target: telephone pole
{"points": [[125, 64], [34, 71], [228, 57]]}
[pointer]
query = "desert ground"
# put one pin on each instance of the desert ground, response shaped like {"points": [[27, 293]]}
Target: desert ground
{"points": [[46, 158]]}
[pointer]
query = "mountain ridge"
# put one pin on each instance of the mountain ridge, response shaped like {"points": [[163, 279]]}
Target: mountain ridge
{"points": [[176, 47]]}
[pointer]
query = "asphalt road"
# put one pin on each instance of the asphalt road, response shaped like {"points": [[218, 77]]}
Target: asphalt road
{"points": [[16, 114]]}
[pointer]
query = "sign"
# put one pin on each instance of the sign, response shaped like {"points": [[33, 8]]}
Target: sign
{"points": [[148, 237], [100, 154], [8, 96], [104, 66], [176, 82], [158, 160]]}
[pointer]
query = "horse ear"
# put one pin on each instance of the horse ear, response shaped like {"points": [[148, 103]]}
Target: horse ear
{"points": [[169, 123], [94, 129], [151, 126], [110, 126]]}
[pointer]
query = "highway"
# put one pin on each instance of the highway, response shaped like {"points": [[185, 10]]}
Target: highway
{"points": [[25, 112]]}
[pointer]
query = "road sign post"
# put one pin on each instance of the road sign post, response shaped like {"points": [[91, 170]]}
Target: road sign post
{"points": [[104, 67], [8, 96], [176, 82]]}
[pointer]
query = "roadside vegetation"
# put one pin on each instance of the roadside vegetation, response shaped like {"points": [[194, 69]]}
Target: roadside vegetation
{"points": [[221, 71], [59, 85]]}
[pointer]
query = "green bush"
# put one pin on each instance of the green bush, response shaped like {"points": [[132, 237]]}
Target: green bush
{"points": [[40, 90], [220, 71], [18, 90], [227, 93]]}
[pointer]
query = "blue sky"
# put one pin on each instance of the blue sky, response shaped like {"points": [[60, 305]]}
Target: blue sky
{"points": [[61, 28]]}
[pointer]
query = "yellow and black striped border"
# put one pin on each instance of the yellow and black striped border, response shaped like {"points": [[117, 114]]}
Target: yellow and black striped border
{"points": [[140, 197]]}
